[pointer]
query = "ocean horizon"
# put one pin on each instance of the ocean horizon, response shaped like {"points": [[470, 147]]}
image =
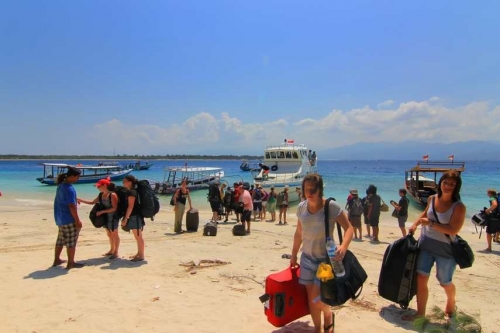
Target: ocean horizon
{"points": [[18, 180]]}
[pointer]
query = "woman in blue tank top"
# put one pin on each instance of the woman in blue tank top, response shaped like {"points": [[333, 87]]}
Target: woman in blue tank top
{"points": [[434, 243]]}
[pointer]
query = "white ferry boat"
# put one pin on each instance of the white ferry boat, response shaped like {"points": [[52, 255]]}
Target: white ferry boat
{"points": [[287, 164]]}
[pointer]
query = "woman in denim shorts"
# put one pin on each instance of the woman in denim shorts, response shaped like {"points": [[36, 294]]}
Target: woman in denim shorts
{"points": [[310, 233], [133, 220], [435, 245]]}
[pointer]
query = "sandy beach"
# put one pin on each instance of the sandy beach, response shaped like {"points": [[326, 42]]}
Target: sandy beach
{"points": [[161, 295]]}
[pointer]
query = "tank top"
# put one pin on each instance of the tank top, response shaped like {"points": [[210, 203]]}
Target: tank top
{"points": [[106, 202], [181, 197], [432, 240]]}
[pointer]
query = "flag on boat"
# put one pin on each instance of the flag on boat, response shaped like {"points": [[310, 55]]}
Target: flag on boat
{"points": [[289, 141], [451, 157], [425, 157]]}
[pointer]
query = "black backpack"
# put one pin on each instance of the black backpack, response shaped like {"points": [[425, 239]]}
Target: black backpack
{"points": [[213, 193], [257, 194], [122, 194], [98, 221], [147, 200]]}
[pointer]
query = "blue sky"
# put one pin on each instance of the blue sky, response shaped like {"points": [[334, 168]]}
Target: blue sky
{"points": [[217, 77]]}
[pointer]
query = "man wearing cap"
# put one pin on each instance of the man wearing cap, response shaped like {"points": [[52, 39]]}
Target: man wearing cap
{"points": [[355, 208], [246, 200], [66, 217]]}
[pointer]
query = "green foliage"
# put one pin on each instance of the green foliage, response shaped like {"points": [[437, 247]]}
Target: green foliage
{"points": [[438, 322]]}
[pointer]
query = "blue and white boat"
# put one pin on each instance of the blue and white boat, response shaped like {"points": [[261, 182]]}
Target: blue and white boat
{"points": [[89, 173], [288, 164]]}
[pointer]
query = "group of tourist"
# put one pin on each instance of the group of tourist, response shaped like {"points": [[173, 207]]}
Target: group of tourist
{"points": [[69, 223], [309, 235]]}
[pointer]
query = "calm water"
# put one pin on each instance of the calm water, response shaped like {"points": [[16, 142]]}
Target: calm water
{"points": [[17, 180]]}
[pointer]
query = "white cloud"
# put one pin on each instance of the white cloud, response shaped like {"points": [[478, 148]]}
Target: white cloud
{"points": [[385, 104], [206, 133]]}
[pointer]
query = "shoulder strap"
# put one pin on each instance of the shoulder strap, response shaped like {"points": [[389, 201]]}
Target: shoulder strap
{"points": [[435, 215], [327, 222], [100, 198]]}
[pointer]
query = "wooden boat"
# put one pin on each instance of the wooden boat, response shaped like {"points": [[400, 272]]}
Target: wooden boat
{"points": [[421, 181], [138, 166], [197, 177], [89, 173], [288, 164]]}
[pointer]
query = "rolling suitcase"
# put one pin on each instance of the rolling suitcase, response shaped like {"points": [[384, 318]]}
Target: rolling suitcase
{"points": [[192, 220], [397, 281], [210, 229], [285, 299]]}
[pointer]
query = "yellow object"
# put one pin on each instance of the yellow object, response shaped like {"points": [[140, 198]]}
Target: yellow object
{"points": [[324, 272]]}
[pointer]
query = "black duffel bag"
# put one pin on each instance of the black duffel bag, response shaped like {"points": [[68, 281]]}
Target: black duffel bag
{"points": [[98, 221], [339, 290]]}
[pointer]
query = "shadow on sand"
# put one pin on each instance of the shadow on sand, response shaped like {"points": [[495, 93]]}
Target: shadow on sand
{"points": [[295, 327], [105, 262], [393, 314]]}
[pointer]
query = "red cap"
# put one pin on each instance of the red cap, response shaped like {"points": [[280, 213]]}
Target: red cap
{"points": [[102, 182]]}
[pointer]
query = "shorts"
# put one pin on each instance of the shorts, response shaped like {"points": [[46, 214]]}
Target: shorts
{"points": [[355, 221], [112, 223], [492, 226], [283, 206], [374, 220], [308, 268], [135, 222], [257, 206], [402, 220], [68, 235], [445, 267], [246, 216], [215, 206]]}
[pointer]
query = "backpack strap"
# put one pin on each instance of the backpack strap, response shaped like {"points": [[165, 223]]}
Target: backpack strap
{"points": [[327, 221], [100, 198]]}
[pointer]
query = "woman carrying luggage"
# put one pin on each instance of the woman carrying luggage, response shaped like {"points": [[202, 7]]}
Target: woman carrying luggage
{"points": [[133, 220], [435, 245], [310, 233], [493, 224], [180, 197]]}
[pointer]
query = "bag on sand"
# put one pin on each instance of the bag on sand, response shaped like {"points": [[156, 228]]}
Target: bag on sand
{"points": [[239, 230], [210, 229]]}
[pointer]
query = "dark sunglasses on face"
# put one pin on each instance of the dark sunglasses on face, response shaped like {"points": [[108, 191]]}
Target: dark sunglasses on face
{"points": [[311, 190]]}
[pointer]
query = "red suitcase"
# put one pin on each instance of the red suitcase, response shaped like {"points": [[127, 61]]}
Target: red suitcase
{"points": [[285, 299]]}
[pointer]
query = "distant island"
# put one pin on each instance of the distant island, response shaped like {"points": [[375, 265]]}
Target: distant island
{"points": [[128, 157]]}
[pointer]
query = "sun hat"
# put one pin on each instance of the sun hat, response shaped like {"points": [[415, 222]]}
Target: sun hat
{"points": [[353, 191], [103, 182], [286, 186]]}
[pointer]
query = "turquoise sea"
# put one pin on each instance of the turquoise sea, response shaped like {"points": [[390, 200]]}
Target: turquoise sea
{"points": [[20, 188]]}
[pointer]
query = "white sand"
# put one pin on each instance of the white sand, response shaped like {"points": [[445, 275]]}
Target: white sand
{"points": [[159, 295]]}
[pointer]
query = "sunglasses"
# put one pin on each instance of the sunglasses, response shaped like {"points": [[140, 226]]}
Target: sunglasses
{"points": [[310, 190]]}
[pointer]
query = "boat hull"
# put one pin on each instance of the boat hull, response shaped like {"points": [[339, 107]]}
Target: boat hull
{"points": [[88, 179]]}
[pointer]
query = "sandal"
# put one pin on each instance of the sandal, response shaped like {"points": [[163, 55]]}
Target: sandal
{"points": [[326, 329], [453, 314]]}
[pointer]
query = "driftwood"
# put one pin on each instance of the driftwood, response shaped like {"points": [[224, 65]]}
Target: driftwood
{"points": [[204, 263]]}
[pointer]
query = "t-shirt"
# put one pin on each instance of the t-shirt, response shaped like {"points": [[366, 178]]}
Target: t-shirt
{"points": [[136, 210], [403, 203], [246, 198], [313, 228], [374, 202], [65, 196]]}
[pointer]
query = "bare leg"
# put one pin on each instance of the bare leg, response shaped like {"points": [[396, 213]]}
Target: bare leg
{"points": [[116, 241], [368, 230], [450, 303], [317, 308], [140, 243], [489, 238], [57, 256], [110, 238], [422, 294], [375, 233], [403, 231], [71, 257]]}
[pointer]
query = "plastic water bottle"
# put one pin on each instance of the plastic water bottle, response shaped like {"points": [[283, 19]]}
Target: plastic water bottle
{"points": [[338, 266]]}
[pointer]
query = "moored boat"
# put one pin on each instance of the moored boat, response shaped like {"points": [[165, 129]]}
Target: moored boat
{"points": [[249, 166], [197, 178], [89, 173], [421, 181], [285, 164]]}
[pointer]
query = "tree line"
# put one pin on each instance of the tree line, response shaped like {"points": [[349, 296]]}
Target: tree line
{"points": [[129, 157]]}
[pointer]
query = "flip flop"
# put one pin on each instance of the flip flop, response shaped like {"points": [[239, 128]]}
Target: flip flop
{"points": [[137, 259], [326, 329]]}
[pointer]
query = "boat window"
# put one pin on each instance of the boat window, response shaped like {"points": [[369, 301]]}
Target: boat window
{"points": [[281, 154], [267, 155], [295, 155], [273, 154], [289, 154]]}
